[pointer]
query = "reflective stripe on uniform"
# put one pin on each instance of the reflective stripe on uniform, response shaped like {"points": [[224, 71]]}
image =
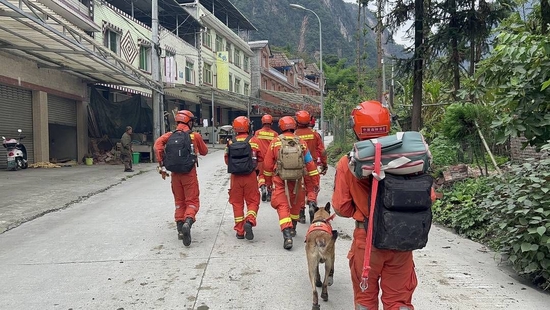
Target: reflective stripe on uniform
{"points": [[307, 137], [313, 172], [285, 220], [268, 174], [251, 213], [294, 217], [239, 219], [274, 145]]}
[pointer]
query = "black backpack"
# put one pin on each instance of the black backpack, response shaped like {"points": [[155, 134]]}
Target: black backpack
{"points": [[178, 154], [239, 159], [403, 212]]}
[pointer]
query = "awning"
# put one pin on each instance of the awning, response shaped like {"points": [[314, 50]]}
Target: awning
{"points": [[31, 30]]}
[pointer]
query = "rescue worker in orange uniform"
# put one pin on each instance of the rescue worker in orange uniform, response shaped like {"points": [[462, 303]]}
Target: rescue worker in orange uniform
{"points": [[391, 271], [185, 186], [288, 207], [240, 190], [316, 148], [264, 136]]}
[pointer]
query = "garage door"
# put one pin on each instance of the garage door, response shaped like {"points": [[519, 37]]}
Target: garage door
{"points": [[61, 111], [16, 113]]}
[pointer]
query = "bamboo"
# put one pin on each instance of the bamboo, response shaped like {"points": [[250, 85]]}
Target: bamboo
{"points": [[488, 150]]}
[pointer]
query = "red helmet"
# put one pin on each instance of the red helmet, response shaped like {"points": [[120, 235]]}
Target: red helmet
{"points": [[241, 124], [303, 117], [287, 123], [312, 122], [184, 116], [370, 120], [267, 119]]}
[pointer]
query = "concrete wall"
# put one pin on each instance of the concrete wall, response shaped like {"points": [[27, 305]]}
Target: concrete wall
{"points": [[26, 71]]}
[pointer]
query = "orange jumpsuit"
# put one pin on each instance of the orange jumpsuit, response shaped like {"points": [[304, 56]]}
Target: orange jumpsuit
{"points": [[243, 188], [264, 136], [185, 186], [279, 200], [315, 146], [392, 271], [314, 143]]}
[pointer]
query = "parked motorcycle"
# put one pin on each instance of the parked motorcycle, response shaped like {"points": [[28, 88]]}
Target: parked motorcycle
{"points": [[17, 153]]}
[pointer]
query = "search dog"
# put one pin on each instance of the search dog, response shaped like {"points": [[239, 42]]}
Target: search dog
{"points": [[320, 244]]}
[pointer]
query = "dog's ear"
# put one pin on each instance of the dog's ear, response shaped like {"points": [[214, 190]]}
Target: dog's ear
{"points": [[327, 207]]}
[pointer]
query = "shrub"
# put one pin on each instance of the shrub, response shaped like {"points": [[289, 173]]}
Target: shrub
{"points": [[520, 207]]}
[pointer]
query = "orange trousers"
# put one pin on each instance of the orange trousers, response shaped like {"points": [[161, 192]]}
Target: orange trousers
{"points": [[244, 188], [185, 187], [261, 177], [280, 202], [391, 271]]}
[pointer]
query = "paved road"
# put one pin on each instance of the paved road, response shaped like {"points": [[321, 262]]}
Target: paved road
{"points": [[117, 249]]}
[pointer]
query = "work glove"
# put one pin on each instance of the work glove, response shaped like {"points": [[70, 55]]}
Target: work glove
{"points": [[324, 169], [163, 172]]}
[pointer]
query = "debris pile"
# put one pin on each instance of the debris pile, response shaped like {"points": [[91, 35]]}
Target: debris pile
{"points": [[44, 165], [104, 152]]}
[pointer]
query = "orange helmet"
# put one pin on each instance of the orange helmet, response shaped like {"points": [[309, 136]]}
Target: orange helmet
{"points": [[267, 119], [370, 120], [312, 122], [303, 117], [241, 124], [287, 123], [184, 116]]}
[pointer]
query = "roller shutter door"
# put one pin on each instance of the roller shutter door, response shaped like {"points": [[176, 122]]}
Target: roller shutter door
{"points": [[16, 113], [61, 111]]}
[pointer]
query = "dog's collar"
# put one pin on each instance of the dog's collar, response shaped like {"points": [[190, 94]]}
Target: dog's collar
{"points": [[328, 219]]}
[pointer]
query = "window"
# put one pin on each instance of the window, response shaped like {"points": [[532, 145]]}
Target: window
{"points": [[189, 72], [230, 82], [111, 40], [246, 63], [207, 38], [265, 84], [246, 90], [207, 74], [237, 86], [237, 60], [145, 58], [219, 43], [229, 54]]}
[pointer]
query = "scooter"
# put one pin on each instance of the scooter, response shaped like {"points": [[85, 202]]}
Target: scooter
{"points": [[17, 153]]}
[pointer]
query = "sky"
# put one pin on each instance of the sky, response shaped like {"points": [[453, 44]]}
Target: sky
{"points": [[399, 36]]}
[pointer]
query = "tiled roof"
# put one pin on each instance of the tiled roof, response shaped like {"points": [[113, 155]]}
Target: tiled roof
{"points": [[311, 69], [278, 60]]}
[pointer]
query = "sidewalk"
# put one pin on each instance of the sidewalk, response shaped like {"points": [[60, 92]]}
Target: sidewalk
{"points": [[30, 193]]}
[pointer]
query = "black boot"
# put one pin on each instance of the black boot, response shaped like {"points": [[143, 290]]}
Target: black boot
{"points": [[287, 244], [179, 225], [263, 190], [249, 235], [293, 229], [311, 213], [268, 196], [186, 230], [302, 216]]}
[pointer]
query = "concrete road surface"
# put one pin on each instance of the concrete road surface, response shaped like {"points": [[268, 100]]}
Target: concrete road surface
{"points": [[118, 249]]}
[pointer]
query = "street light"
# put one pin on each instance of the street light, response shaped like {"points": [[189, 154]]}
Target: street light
{"points": [[321, 79]]}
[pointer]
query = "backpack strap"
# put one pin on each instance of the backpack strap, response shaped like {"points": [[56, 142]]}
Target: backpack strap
{"points": [[248, 138], [368, 247]]}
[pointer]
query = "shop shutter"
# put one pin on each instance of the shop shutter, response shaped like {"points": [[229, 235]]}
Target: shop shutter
{"points": [[61, 111], [16, 113]]}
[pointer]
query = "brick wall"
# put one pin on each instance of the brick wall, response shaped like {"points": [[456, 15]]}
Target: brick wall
{"points": [[518, 154]]}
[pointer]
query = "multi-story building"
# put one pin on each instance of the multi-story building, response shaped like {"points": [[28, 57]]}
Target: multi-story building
{"points": [[283, 85]]}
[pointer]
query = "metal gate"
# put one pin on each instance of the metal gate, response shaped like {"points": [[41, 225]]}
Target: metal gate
{"points": [[61, 111], [16, 113]]}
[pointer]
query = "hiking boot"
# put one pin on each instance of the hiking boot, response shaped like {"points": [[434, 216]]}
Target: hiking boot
{"points": [[179, 225], [302, 218], [263, 190], [239, 236], [128, 170], [287, 243], [249, 235], [293, 229], [186, 231], [312, 209]]}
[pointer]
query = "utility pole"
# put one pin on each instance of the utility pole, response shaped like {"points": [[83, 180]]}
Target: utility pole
{"points": [[392, 86], [158, 116], [384, 83]]}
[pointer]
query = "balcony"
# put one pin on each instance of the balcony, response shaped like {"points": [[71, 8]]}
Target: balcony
{"points": [[74, 11]]}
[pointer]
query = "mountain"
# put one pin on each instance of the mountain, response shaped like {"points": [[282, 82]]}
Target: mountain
{"points": [[298, 30]]}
